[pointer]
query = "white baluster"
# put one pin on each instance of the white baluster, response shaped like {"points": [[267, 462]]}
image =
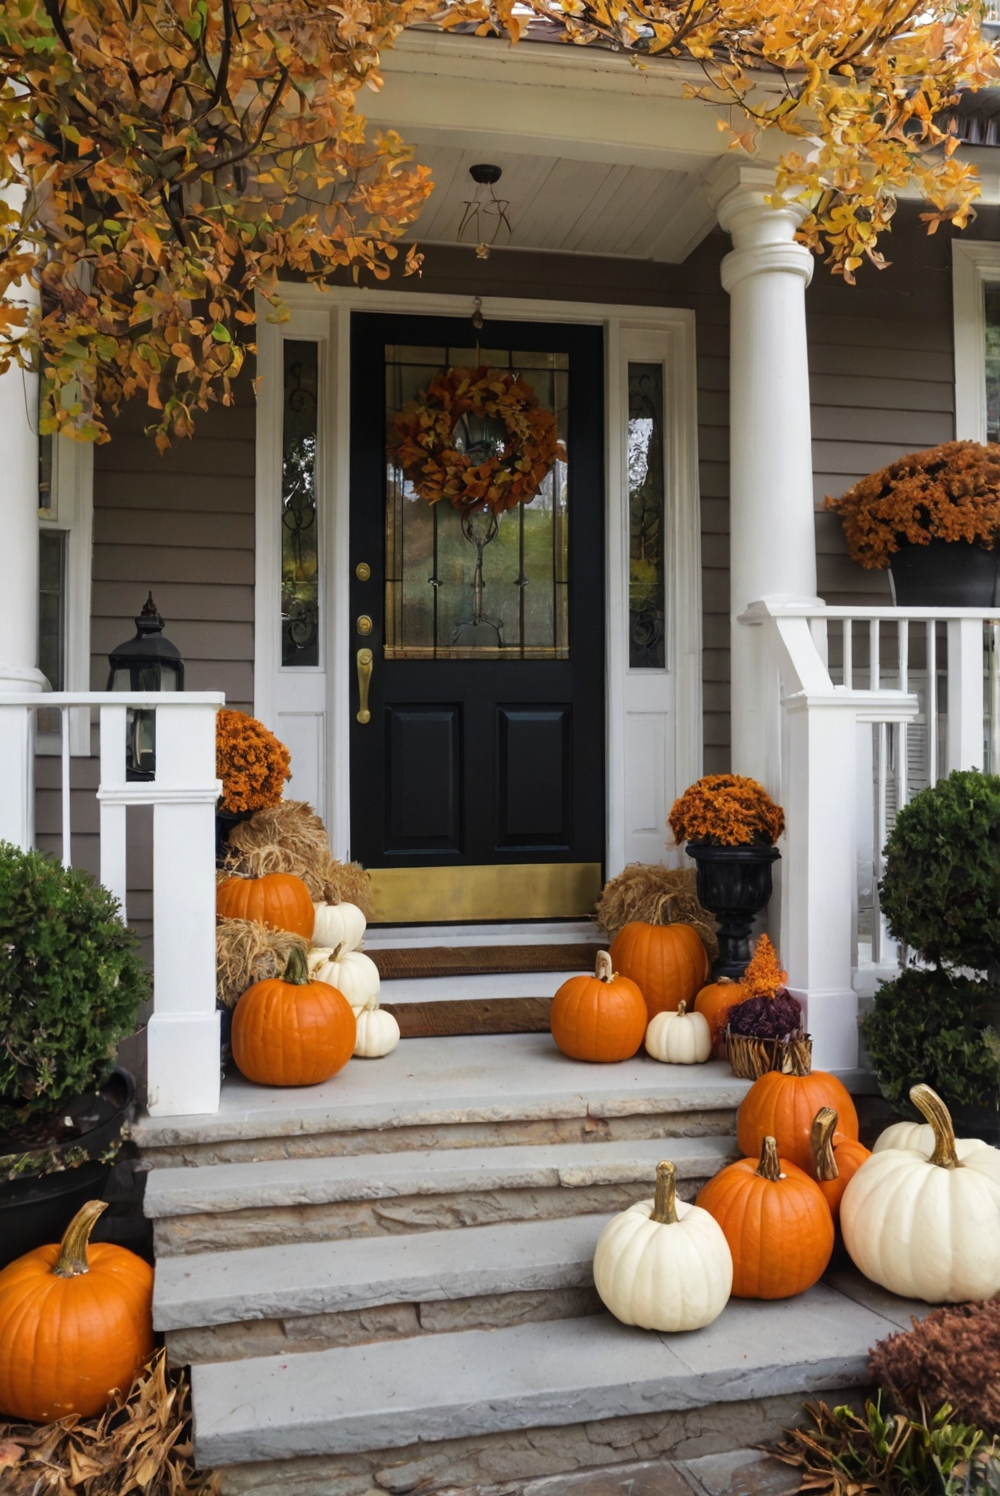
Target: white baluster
{"points": [[67, 846], [874, 662], [932, 704], [903, 770], [849, 653], [114, 873], [965, 693], [994, 645]]}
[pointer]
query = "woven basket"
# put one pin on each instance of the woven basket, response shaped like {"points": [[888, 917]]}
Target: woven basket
{"points": [[750, 1058]]}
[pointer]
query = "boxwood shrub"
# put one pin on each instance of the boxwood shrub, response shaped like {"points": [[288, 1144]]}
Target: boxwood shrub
{"points": [[933, 1026], [71, 983]]}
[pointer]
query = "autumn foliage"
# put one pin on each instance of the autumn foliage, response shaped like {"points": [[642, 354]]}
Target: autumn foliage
{"points": [[763, 977], [161, 161], [250, 761], [949, 492], [728, 810]]}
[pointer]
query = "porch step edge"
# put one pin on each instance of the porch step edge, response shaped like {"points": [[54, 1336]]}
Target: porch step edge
{"points": [[277, 1183], [296, 1280]]}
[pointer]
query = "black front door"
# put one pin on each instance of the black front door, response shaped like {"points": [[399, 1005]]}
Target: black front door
{"points": [[484, 742]]}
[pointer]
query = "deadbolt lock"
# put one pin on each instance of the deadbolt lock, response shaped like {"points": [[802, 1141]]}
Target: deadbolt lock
{"points": [[362, 571], [364, 624]]}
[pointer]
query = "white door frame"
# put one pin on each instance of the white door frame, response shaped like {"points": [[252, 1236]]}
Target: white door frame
{"points": [[653, 718]]}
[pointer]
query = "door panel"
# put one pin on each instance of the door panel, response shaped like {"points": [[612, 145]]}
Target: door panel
{"points": [[485, 742]]}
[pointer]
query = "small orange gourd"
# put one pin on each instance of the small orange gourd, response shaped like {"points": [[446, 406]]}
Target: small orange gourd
{"points": [[714, 1001], [290, 1031], [602, 1017], [278, 899], [666, 962], [782, 1105], [776, 1221], [76, 1321], [835, 1159]]}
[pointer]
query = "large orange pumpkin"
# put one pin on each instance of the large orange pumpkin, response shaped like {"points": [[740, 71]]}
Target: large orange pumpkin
{"points": [[783, 1105], [776, 1221], [289, 1031], [602, 1017], [278, 899], [835, 1159], [76, 1321], [666, 962], [715, 1001]]}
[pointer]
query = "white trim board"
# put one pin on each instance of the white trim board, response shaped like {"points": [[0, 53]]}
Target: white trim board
{"points": [[973, 266], [653, 718]]}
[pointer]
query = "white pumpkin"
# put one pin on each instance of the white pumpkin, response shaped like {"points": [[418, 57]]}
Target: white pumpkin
{"points": [[378, 1033], [664, 1264], [918, 1137], [339, 926], [927, 1228], [680, 1038], [352, 973]]}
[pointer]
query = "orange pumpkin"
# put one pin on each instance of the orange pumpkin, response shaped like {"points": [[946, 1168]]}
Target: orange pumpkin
{"points": [[289, 1031], [76, 1321], [783, 1106], [602, 1017], [776, 1221], [667, 963], [278, 899], [835, 1159], [715, 1001]]}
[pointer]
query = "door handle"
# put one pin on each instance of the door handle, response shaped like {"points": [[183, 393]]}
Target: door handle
{"points": [[364, 663]]}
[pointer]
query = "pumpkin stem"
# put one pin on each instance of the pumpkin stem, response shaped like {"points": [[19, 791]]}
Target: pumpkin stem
{"points": [[930, 1105], [297, 967], [664, 1210], [821, 1144], [72, 1260], [603, 969], [770, 1164], [726, 982], [682, 1008]]}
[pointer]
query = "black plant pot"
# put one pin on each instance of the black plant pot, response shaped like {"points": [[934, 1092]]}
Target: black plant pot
{"points": [[945, 574], [225, 820], [36, 1207], [734, 883]]}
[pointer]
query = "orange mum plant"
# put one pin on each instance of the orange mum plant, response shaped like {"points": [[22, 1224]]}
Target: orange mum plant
{"points": [[764, 976], [251, 763], [949, 492], [727, 810]]}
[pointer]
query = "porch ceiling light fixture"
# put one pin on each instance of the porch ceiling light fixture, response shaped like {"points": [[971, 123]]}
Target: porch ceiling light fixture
{"points": [[484, 213], [149, 662]]}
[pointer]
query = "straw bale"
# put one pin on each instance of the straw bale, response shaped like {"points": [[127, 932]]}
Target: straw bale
{"points": [[291, 838], [656, 895], [247, 952]]}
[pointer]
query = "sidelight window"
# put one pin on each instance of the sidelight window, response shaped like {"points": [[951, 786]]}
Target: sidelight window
{"points": [[474, 586], [647, 646], [300, 578]]}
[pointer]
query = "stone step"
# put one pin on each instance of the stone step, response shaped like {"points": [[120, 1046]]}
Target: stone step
{"points": [[296, 1297], [391, 1403], [465, 1091], [232, 1206]]}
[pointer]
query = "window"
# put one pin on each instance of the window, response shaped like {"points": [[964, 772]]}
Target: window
{"points": [[65, 516], [976, 298], [646, 642], [299, 543]]}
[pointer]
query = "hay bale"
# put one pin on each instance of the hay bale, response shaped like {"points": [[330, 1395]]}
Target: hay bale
{"points": [[657, 895], [246, 952], [291, 838]]}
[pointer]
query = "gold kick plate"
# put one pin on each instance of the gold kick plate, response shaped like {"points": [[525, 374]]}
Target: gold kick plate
{"points": [[364, 663], [527, 890]]}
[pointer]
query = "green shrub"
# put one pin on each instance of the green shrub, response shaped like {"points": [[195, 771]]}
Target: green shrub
{"points": [[941, 889], [929, 1026], [71, 983]]}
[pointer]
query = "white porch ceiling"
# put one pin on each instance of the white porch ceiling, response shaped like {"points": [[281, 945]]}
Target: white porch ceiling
{"points": [[573, 206]]}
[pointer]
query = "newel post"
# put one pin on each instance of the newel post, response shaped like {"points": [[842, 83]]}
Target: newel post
{"points": [[183, 1033], [772, 534]]}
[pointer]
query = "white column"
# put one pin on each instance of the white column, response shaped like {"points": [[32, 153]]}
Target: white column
{"points": [[771, 525], [18, 594]]}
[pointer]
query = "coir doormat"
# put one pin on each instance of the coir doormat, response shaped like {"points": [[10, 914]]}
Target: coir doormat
{"points": [[481, 960]]}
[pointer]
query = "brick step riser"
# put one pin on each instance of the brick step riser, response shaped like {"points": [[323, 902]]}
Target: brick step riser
{"points": [[315, 1332], [394, 1215], [712, 1122]]}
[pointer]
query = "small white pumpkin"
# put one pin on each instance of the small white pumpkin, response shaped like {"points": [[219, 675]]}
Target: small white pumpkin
{"points": [[339, 926], [926, 1228], [664, 1264], [918, 1137], [378, 1033], [352, 973], [680, 1038]]}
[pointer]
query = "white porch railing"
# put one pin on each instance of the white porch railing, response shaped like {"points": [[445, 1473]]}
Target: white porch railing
{"points": [[183, 1032], [875, 704]]}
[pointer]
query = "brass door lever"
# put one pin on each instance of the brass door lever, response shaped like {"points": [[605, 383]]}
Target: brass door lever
{"points": [[364, 662]]}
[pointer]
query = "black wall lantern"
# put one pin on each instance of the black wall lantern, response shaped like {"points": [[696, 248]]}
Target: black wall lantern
{"points": [[149, 662]]}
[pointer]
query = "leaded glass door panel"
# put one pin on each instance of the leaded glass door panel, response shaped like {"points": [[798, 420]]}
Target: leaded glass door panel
{"points": [[484, 742]]}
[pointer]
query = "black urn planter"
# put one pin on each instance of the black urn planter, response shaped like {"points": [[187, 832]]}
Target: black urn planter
{"points": [[36, 1207], [945, 574], [734, 884]]}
